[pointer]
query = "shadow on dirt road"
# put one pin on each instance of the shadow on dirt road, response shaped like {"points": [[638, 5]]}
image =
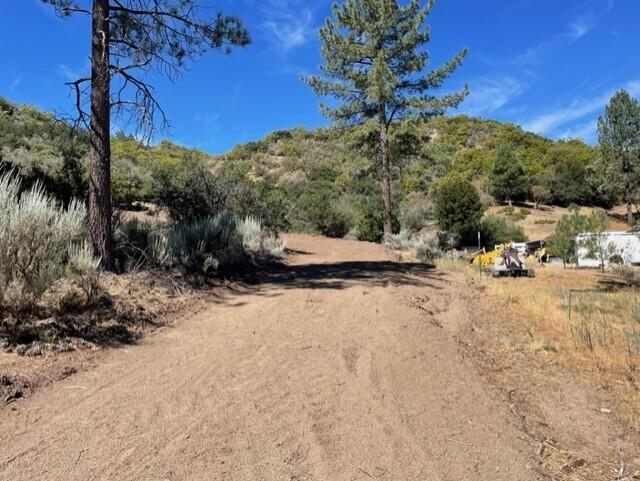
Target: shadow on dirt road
{"points": [[340, 275]]}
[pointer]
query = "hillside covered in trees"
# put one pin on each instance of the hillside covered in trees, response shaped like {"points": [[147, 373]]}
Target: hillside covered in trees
{"points": [[321, 180]]}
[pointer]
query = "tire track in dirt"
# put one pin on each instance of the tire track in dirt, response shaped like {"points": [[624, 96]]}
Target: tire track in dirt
{"points": [[321, 371]]}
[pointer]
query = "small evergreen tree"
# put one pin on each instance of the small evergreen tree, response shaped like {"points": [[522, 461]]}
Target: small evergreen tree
{"points": [[508, 179], [569, 184], [563, 244], [374, 65], [568, 167], [619, 137], [597, 243], [457, 206]]}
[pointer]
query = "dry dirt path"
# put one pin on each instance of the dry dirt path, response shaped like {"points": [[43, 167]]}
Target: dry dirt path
{"points": [[321, 371]]}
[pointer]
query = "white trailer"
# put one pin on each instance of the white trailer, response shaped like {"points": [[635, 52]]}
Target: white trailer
{"points": [[622, 248]]}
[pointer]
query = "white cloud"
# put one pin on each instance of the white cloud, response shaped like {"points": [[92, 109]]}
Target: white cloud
{"points": [[580, 27], [533, 55], [17, 81], [287, 23], [209, 120], [585, 131], [548, 123], [290, 32], [576, 29], [67, 72], [209, 126], [491, 94]]}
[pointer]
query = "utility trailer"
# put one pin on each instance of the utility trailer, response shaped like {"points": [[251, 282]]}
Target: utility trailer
{"points": [[620, 248]]}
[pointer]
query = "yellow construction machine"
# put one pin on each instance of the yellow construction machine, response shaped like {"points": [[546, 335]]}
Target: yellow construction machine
{"points": [[486, 259], [504, 260]]}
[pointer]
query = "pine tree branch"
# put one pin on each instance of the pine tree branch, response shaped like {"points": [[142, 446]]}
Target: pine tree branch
{"points": [[81, 115]]}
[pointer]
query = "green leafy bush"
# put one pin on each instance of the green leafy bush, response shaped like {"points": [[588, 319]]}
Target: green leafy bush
{"points": [[457, 205], [259, 199], [496, 229], [187, 190], [416, 212], [136, 245], [315, 210], [130, 182]]}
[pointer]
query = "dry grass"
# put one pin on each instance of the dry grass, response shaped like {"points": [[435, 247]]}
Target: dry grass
{"points": [[552, 366], [598, 338]]}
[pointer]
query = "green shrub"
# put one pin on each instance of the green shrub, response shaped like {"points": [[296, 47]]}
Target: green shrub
{"points": [[130, 182], [190, 191], [515, 214], [187, 190], [315, 210], [426, 246], [261, 200], [257, 242], [416, 212], [85, 268], [496, 229], [133, 243], [207, 245], [457, 205], [365, 197], [35, 238]]}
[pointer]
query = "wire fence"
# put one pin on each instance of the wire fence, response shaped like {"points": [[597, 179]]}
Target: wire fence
{"points": [[605, 317]]}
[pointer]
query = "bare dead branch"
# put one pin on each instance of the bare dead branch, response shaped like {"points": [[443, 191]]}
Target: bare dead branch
{"points": [[77, 86], [151, 35]]}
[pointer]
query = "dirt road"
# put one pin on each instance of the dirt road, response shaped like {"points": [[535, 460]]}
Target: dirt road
{"points": [[324, 370]]}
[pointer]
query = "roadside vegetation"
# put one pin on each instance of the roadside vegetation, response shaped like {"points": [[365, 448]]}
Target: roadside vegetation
{"points": [[585, 320], [105, 235], [319, 181]]}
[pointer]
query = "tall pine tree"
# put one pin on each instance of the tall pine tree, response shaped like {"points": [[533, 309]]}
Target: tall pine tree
{"points": [[374, 66], [619, 136], [130, 38]]}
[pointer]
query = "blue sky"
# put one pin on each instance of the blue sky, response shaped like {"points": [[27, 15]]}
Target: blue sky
{"points": [[547, 65]]}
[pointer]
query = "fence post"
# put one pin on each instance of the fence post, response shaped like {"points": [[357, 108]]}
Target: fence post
{"points": [[570, 296]]}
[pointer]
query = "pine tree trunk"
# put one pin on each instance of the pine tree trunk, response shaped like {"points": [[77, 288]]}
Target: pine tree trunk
{"points": [[630, 219], [385, 173], [99, 136]]}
